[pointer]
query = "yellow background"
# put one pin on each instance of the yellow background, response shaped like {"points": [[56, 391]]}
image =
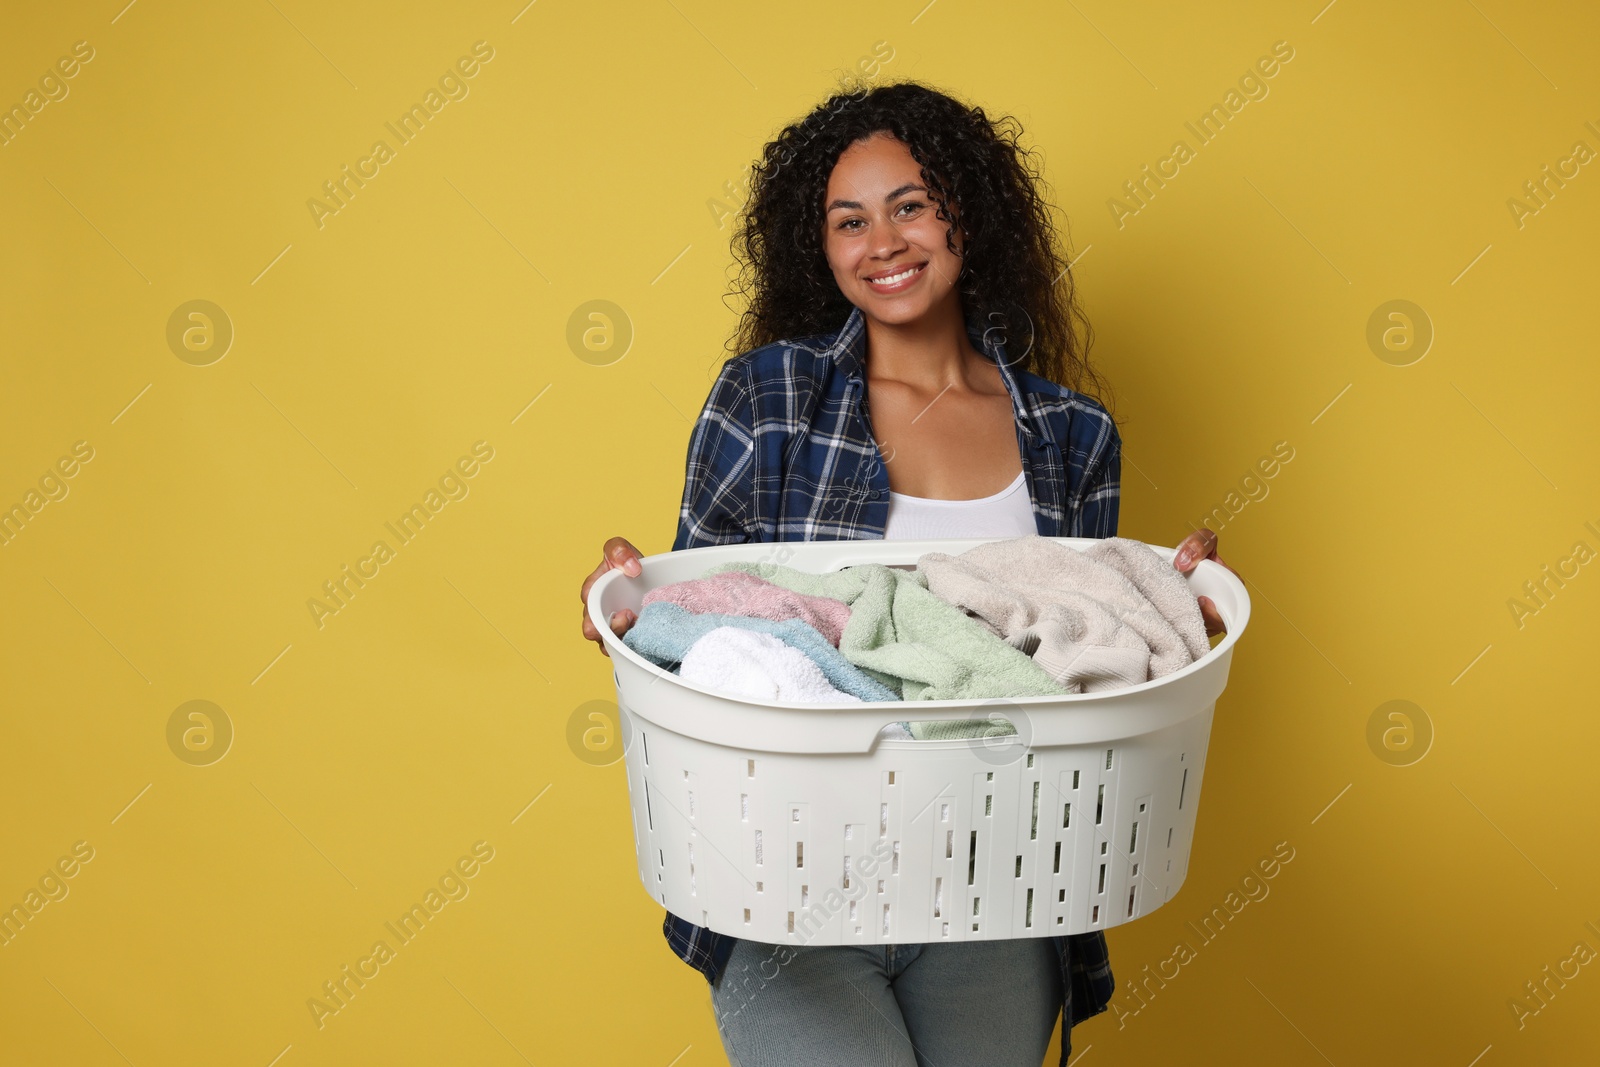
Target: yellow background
{"points": [[432, 310]]}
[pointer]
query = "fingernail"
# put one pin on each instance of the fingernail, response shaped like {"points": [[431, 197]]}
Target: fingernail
{"points": [[631, 567], [1182, 559]]}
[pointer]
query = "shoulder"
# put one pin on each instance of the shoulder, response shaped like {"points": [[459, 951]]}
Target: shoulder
{"points": [[1077, 421], [780, 357], [768, 378]]}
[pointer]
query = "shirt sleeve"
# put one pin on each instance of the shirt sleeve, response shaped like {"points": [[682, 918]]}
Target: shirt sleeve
{"points": [[719, 476], [1100, 497]]}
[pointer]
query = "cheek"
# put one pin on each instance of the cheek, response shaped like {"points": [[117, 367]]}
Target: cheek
{"points": [[838, 256], [931, 235], [945, 263]]}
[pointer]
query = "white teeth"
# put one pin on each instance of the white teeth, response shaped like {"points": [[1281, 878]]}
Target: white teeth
{"points": [[895, 277]]}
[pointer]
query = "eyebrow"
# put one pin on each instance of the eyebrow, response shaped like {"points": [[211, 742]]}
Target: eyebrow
{"points": [[854, 205]]}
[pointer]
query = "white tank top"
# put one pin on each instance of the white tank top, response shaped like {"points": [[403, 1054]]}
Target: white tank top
{"points": [[1008, 513]]}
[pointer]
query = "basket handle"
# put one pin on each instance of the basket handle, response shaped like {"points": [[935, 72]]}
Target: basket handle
{"points": [[1000, 726]]}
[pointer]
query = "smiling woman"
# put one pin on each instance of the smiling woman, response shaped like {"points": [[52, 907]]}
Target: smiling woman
{"points": [[908, 363], [898, 257]]}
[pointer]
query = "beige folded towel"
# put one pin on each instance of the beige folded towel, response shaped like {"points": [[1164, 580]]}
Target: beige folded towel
{"points": [[1162, 584], [1113, 615]]}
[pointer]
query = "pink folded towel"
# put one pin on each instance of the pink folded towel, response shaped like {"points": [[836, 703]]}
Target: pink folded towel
{"points": [[742, 593]]}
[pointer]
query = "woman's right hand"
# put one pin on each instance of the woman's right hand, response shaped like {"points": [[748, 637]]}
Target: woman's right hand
{"points": [[617, 553]]}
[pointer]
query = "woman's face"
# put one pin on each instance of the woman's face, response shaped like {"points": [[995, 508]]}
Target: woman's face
{"points": [[880, 222]]}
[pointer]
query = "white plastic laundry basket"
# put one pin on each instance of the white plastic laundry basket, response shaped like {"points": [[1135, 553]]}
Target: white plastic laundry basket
{"points": [[798, 824]]}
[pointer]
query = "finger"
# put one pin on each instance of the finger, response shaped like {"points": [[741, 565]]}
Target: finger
{"points": [[1194, 548], [621, 554], [615, 621], [620, 622], [1213, 620], [617, 554]]}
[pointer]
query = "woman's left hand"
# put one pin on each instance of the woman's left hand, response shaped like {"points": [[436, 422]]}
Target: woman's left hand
{"points": [[1202, 544]]}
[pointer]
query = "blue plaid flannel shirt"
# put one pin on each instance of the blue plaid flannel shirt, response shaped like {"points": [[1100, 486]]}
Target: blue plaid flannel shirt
{"points": [[782, 452]]}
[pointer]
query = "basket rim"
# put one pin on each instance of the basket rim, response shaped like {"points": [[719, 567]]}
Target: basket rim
{"points": [[1213, 569]]}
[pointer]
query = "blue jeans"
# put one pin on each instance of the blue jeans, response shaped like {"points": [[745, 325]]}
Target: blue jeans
{"points": [[948, 1004]]}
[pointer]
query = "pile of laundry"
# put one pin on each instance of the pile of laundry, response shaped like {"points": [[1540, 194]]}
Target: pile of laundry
{"points": [[1025, 616]]}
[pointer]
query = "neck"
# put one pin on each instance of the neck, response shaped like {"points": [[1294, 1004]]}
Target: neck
{"points": [[929, 352]]}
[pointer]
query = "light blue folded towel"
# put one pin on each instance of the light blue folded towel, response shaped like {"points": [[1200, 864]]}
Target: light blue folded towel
{"points": [[664, 632]]}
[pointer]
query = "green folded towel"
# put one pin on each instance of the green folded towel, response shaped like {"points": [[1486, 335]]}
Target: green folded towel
{"points": [[922, 647]]}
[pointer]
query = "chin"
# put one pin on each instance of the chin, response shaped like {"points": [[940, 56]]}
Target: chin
{"points": [[894, 314], [904, 310]]}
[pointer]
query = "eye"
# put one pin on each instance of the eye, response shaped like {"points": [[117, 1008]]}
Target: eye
{"points": [[900, 211]]}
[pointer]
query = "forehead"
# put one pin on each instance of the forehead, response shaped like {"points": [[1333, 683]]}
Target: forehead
{"points": [[873, 166]]}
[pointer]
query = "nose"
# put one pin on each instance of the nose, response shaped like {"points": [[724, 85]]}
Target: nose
{"points": [[887, 240]]}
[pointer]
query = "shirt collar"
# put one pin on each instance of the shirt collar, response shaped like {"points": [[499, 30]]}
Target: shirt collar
{"points": [[849, 350]]}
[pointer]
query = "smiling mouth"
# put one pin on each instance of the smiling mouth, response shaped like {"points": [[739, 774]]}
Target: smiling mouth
{"points": [[896, 279]]}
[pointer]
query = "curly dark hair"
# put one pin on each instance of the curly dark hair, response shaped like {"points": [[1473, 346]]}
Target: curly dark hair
{"points": [[1013, 275]]}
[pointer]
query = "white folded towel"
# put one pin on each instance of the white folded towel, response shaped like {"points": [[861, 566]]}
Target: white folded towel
{"points": [[749, 663]]}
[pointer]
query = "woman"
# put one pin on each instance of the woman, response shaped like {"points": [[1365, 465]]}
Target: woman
{"points": [[895, 246]]}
